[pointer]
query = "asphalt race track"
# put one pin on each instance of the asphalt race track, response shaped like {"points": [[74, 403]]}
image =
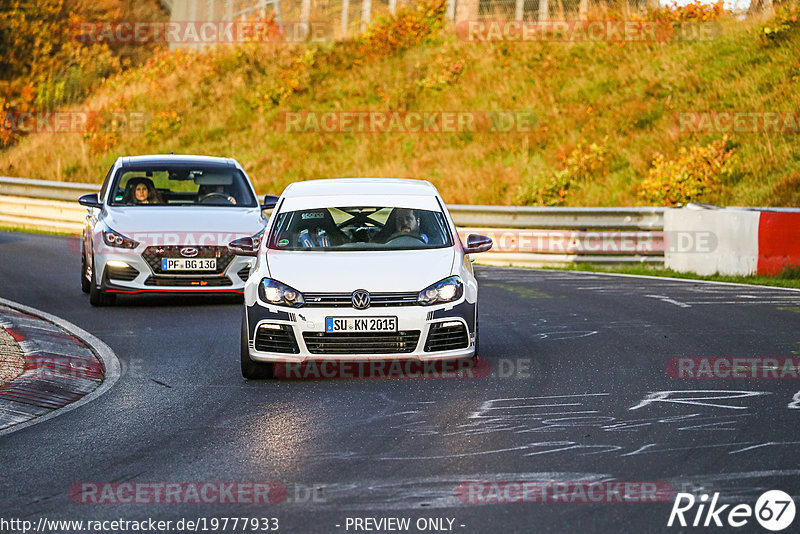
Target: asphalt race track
{"points": [[579, 391]]}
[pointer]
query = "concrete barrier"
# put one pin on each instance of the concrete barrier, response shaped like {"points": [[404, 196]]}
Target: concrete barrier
{"points": [[748, 240], [736, 249]]}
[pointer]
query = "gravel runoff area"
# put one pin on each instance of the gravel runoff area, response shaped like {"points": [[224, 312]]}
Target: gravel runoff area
{"points": [[12, 360]]}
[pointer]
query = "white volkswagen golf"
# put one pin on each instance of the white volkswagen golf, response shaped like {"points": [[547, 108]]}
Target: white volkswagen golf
{"points": [[359, 269], [161, 224]]}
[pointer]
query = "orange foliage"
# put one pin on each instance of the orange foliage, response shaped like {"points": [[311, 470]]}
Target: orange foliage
{"points": [[45, 64], [409, 26], [696, 176], [693, 11]]}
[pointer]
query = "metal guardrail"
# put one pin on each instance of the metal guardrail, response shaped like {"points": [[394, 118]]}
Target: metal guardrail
{"points": [[23, 187], [646, 218], [531, 236]]}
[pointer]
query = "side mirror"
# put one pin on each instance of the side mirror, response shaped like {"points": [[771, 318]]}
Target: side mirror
{"points": [[91, 200], [477, 243], [243, 247], [270, 201]]}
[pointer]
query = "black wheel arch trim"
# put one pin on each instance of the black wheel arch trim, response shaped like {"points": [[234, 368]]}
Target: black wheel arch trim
{"points": [[464, 310]]}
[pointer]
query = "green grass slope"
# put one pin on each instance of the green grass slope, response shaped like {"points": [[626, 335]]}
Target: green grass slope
{"points": [[623, 98]]}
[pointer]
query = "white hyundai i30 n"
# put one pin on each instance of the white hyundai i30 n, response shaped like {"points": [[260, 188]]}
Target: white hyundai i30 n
{"points": [[355, 269], [161, 224]]}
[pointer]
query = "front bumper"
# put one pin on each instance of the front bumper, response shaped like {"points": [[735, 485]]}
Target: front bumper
{"points": [[440, 332], [139, 277]]}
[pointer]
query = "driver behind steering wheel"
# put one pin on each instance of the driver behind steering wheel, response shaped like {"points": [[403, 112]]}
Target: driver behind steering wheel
{"points": [[210, 191], [407, 222]]}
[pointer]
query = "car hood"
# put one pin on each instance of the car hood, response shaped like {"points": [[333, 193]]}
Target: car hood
{"points": [[377, 272], [185, 225]]}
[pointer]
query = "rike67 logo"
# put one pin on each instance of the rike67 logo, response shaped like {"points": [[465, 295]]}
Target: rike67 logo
{"points": [[774, 510]]}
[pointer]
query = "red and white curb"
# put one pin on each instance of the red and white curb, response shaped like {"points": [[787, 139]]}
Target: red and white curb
{"points": [[747, 241], [65, 367]]}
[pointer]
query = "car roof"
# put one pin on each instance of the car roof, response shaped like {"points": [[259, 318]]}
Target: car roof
{"points": [[180, 159], [360, 186]]}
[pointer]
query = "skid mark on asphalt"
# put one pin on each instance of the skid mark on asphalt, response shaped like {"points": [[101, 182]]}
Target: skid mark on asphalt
{"points": [[506, 425], [735, 487], [425, 493], [525, 416], [699, 397], [736, 447], [446, 491], [562, 326]]}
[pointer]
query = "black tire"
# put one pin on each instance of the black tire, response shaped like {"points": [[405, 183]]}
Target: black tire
{"points": [[98, 297], [252, 370], [85, 283], [477, 337]]}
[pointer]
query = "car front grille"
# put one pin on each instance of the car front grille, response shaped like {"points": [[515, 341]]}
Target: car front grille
{"points": [[441, 337], [153, 255], [276, 340], [345, 300], [244, 273], [361, 342], [125, 274], [188, 281]]}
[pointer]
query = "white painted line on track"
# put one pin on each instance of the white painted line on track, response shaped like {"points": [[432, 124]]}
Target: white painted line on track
{"points": [[103, 351], [664, 298], [669, 279]]}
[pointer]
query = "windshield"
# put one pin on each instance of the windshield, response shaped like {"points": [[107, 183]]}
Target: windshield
{"points": [[362, 228], [182, 185]]}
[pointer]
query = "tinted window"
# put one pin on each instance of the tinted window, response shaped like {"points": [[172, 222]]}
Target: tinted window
{"points": [[181, 185], [362, 228]]}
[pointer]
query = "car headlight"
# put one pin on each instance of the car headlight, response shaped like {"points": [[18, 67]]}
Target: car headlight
{"points": [[275, 292], [115, 239], [257, 238], [447, 290]]}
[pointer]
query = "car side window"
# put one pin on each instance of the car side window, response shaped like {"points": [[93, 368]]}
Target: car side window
{"points": [[106, 183]]}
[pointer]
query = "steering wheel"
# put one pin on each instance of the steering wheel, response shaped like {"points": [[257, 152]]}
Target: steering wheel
{"points": [[216, 195], [399, 235]]}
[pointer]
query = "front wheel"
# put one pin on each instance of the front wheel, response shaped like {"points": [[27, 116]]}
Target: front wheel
{"points": [[98, 297], [252, 370], [85, 283], [477, 336]]}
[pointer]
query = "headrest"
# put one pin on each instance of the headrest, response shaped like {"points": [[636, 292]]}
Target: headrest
{"points": [[214, 179]]}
